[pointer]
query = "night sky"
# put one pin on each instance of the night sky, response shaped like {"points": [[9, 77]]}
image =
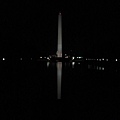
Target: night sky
{"points": [[89, 28]]}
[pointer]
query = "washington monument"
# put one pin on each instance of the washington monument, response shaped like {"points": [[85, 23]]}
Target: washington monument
{"points": [[59, 55], [59, 46]]}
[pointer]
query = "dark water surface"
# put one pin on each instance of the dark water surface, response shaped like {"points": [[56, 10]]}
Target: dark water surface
{"points": [[63, 88]]}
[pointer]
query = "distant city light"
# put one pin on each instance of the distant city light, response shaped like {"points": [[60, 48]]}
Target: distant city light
{"points": [[86, 58], [3, 58], [79, 57], [48, 58], [73, 58], [102, 68], [106, 59], [99, 59], [20, 58], [31, 58], [90, 59], [102, 58], [40, 57], [116, 60]]}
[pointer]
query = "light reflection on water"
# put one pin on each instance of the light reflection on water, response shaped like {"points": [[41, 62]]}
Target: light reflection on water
{"points": [[96, 67], [59, 76], [73, 66], [59, 79], [86, 88]]}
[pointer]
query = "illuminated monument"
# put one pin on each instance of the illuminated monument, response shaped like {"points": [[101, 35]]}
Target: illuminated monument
{"points": [[59, 46], [59, 56]]}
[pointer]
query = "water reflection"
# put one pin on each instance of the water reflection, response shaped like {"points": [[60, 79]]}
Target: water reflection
{"points": [[59, 79], [73, 64], [48, 63], [95, 67], [78, 67]]}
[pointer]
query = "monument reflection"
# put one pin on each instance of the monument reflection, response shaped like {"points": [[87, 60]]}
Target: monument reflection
{"points": [[59, 79]]}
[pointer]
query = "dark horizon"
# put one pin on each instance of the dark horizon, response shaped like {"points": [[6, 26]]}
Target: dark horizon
{"points": [[89, 29]]}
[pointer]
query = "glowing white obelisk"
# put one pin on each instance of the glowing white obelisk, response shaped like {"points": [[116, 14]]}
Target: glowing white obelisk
{"points": [[59, 47]]}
